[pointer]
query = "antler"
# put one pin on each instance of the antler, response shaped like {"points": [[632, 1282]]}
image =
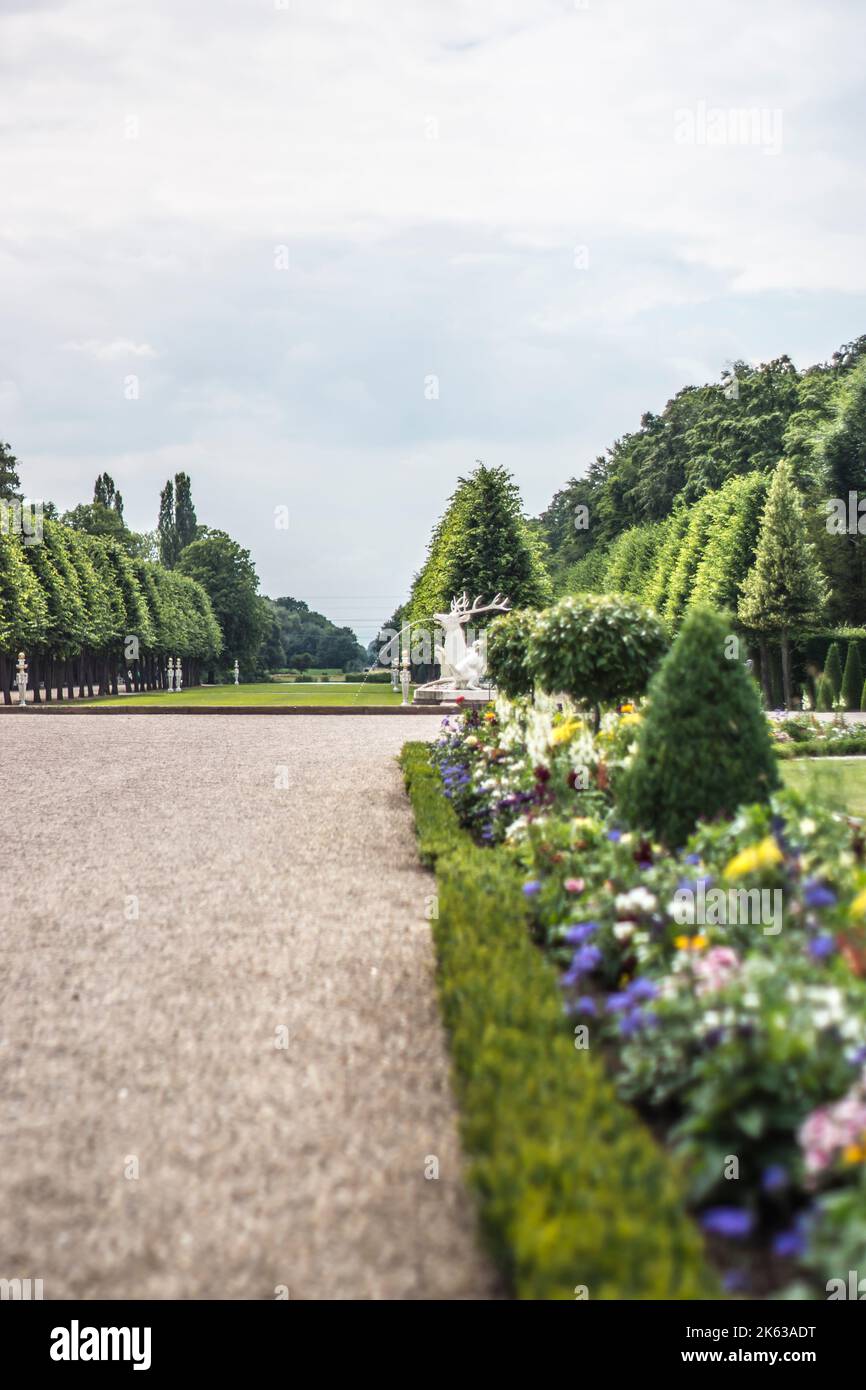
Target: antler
{"points": [[498, 604]]}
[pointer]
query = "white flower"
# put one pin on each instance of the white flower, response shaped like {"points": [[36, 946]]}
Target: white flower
{"points": [[639, 900], [623, 931], [751, 1000], [807, 826]]}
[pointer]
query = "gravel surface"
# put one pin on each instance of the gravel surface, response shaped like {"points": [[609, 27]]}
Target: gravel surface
{"points": [[152, 1043]]}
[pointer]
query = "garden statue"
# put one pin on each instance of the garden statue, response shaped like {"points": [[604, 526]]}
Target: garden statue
{"points": [[461, 667], [170, 675], [237, 673], [21, 680], [178, 674]]}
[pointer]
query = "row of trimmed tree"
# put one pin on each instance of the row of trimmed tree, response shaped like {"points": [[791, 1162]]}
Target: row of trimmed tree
{"points": [[88, 615]]}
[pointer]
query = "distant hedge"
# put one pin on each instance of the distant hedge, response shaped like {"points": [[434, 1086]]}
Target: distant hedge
{"points": [[85, 614]]}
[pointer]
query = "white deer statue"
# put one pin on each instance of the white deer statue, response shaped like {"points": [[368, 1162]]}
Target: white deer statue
{"points": [[462, 666]]}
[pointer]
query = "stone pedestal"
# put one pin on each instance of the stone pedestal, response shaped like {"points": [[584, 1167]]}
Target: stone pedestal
{"points": [[448, 695]]}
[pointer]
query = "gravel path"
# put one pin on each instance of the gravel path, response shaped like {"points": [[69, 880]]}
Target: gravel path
{"points": [[152, 1044]]}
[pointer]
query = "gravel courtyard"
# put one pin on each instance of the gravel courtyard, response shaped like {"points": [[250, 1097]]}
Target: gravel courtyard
{"points": [[217, 974]]}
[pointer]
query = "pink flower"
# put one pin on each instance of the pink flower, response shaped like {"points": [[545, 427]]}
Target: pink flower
{"points": [[715, 970], [831, 1128], [574, 885]]}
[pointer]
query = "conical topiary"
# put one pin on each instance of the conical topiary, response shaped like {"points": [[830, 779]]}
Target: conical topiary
{"points": [[824, 696], [704, 746], [852, 680], [833, 669]]}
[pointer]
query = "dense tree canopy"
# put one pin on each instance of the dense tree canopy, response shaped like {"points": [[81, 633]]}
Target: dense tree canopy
{"points": [[719, 441], [228, 576], [482, 545]]}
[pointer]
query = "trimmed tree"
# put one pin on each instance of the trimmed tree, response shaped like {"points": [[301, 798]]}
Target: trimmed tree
{"points": [[507, 652], [596, 648], [824, 695], [482, 545], [703, 747], [833, 668], [852, 680], [786, 588]]}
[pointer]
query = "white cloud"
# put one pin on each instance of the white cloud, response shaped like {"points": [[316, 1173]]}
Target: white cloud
{"points": [[110, 352], [431, 169]]}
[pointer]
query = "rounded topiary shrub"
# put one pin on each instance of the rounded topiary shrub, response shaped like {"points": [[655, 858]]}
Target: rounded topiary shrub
{"points": [[507, 648], [596, 647], [704, 746]]}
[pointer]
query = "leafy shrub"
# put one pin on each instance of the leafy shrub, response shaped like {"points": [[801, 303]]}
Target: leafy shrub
{"points": [[371, 677], [704, 746], [595, 647], [852, 680], [507, 649], [572, 1189]]}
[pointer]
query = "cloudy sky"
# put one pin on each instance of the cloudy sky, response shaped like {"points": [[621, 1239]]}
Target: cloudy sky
{"points": [[324, 254]]}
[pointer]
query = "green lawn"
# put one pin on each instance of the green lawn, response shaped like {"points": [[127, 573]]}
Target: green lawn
{"points": [[838, 783], [270, 693]]}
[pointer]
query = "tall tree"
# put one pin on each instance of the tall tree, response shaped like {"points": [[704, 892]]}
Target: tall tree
{"points": [[9, 482], [185, 522], [106, 494], [177, 525], [165, 528], [228, 576], [785, 589], [482, 545]]}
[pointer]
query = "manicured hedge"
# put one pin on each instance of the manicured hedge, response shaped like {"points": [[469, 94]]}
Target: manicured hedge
{"points": [[846, 746], [573, 1191]]}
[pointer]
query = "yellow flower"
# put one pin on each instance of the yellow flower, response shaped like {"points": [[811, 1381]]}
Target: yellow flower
{"points": [[490, 716], [858, 906], [691, 943], [627, 708], [854, 1153], [754, 857], [564, 732], [630, 718]]}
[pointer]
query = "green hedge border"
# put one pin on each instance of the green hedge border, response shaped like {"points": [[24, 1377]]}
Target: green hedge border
{"points": [[573, 1190], [851, 745]]}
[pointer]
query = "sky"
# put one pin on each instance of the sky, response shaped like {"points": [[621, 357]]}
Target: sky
{"points": [[324, 254]]}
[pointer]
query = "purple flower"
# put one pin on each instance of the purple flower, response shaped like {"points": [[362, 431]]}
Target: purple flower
{"points": [[580, 932], [817, 894], [531, 887], [857, 1057], [820, 947], [731, 1222], [633, 1022], [586, 1005], [735, 1281], [615, 836], [640, 990], [692, 859], [774, 1177], [616, 1003], [789, 1244], [587, 958]]}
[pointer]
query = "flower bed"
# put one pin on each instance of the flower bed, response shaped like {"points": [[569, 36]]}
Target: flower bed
{"points": [[805, 736], [724, 984], [576, 1199]]}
